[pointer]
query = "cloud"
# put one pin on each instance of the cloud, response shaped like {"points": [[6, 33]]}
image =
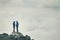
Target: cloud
{"points": [[40, 24], [3, 3], [31, 3], [35, 20], [42, 3]]}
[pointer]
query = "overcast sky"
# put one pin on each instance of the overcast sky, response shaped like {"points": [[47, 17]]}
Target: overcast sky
{"points": [[39, 19]]}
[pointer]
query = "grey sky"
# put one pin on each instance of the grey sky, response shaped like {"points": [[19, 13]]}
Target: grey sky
{"points": [[30, 3], [38, 18]]}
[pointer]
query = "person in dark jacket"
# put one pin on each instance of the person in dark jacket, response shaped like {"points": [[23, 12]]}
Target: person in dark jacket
{"points": [[17, 24], [13, 26]]}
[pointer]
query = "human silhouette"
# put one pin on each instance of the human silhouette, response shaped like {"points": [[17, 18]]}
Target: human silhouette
{"points": [[17, 24], [13, 26]]}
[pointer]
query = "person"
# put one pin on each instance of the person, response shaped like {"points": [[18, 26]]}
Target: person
{"points": [[17, 24], [13, 26]]}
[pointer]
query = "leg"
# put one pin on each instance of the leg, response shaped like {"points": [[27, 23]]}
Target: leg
{"points": [[14, 29], [17, 29]]}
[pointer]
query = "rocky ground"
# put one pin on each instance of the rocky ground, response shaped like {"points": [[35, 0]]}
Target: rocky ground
{"points": [[14, 36]]}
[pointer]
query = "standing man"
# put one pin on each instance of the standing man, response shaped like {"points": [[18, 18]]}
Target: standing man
{"points": [[17, 24], [13, 26]]}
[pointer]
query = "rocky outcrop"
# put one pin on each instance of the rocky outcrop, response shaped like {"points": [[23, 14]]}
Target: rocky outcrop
{"points": [[14, 36]]}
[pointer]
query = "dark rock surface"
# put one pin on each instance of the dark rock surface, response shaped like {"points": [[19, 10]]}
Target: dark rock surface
{"points": [[14, 36]]}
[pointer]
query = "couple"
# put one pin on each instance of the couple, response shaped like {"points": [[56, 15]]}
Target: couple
{"points": [[15, 24]]}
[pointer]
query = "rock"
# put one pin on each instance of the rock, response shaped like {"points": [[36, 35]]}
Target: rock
{"points": [[14, 36], [17, 34]]}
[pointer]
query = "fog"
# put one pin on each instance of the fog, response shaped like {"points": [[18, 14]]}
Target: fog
{"points": [[38, 18]]}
